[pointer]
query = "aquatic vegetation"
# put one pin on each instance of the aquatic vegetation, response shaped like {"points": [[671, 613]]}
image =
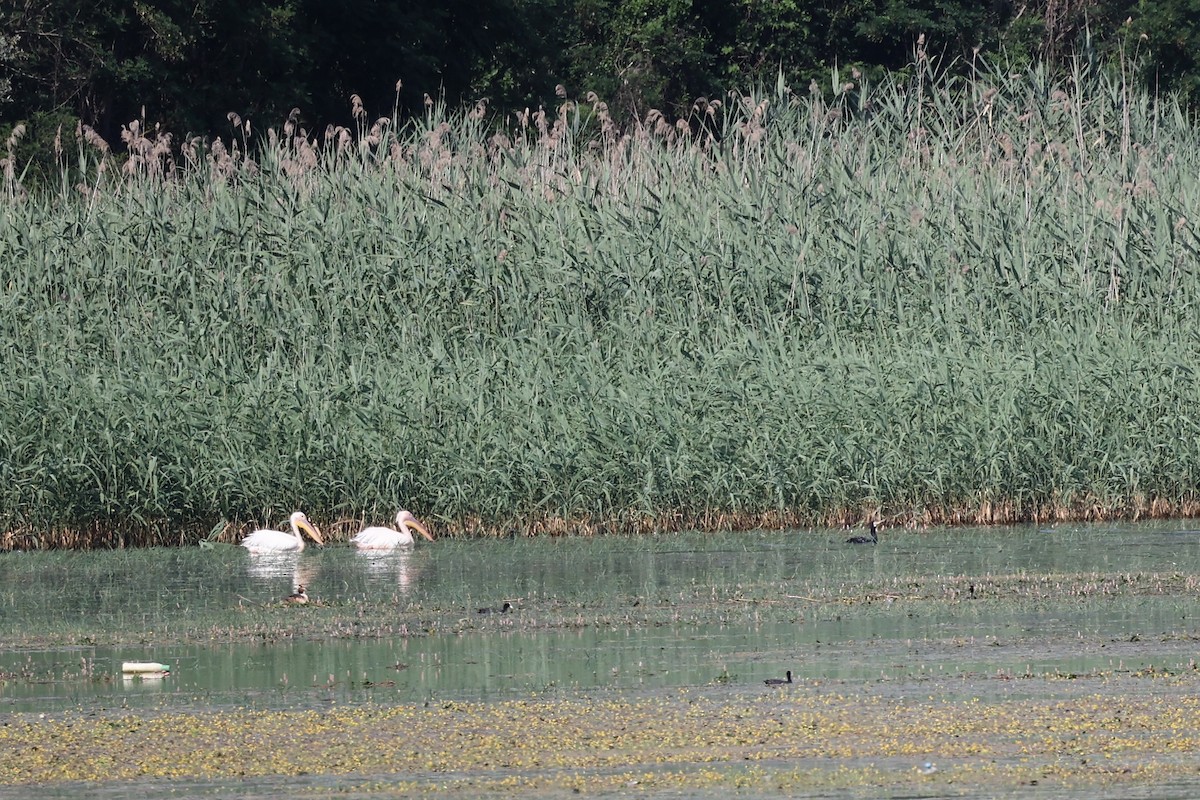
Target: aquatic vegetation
{"points": [[703, 739], [952, 301]]}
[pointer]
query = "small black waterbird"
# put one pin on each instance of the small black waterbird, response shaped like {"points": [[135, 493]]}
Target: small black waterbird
{"points": [[779, 681], [504, 609], [872, 539]]}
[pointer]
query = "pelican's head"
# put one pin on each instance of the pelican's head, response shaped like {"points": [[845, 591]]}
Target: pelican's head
{"points": [[405, 519], [300, 520]]}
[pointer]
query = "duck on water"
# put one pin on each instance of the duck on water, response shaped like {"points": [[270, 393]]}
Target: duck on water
{"points": [[872, 539], [504, 609], [298, 597]]}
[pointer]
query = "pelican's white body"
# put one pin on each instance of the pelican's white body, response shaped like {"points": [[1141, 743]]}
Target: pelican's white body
{"points": [[379, 538], [267, 541]]}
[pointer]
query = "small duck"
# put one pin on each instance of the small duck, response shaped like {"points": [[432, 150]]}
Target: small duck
{"points": [[779, 681], [298, 597], [872, 539], [504, 609]]}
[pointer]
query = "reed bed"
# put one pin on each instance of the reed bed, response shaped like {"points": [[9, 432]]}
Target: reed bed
{"points": [[934, 299]]}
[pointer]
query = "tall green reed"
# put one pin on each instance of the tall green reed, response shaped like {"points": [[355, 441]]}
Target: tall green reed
{"points": [[942, 298]]}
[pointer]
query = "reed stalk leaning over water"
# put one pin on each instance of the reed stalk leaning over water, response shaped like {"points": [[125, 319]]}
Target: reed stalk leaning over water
{"points": [[952, 300]]}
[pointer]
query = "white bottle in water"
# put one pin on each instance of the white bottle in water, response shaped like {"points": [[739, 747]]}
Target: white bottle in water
{"points": [[144, 667]]}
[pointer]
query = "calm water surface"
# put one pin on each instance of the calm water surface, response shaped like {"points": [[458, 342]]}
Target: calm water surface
{"points": [[498, 656]]}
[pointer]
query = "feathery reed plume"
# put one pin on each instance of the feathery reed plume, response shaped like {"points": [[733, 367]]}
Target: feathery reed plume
{"points": [[8, 163], [94, 139], [220, 159], [149, 156], [375, 135], [18, 132], [291, 124], [396, 100]]}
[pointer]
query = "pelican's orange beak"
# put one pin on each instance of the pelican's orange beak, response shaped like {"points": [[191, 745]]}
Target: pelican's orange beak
{"points": [[312, 531], [413, 522], [420, 526]]}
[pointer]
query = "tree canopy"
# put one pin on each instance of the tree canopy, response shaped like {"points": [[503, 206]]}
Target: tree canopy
{"points": [[187, 66]]}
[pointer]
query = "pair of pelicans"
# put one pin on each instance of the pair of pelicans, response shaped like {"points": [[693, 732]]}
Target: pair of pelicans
{"points": [[373, 538], [379, 538]]}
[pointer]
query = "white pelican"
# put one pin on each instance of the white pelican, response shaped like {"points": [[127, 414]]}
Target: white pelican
{"points": [[297, 598], [282, 541], [377, 538]]}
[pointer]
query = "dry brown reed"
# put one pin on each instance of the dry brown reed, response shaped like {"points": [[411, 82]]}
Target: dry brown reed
{"points": [[341, 529]]}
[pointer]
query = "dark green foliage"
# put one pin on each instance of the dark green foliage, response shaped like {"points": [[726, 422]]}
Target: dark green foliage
{"points": [[1171, 30], [189, 64]]}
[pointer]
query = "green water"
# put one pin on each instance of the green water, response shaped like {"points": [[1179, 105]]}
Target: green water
{"points": [[716, 610]]}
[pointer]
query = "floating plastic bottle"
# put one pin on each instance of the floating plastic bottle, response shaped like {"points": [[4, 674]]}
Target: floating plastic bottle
{"points": [[145, 668]]}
